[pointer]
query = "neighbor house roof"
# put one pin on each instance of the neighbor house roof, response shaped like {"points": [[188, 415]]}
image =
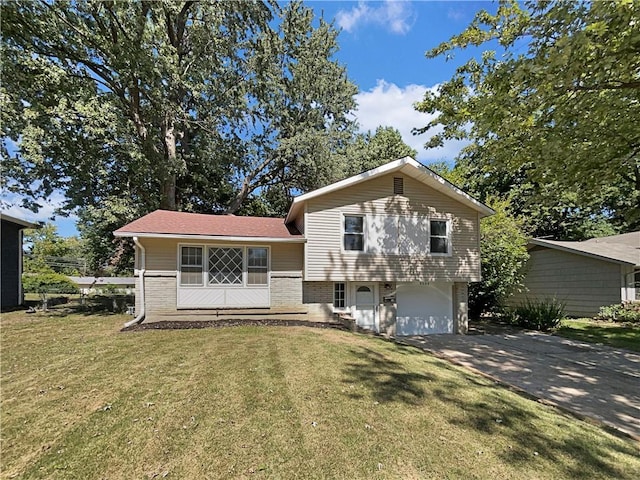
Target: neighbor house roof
{"points": [[409, 167], [100, 281], [18, 221], [163, 223], [623, 248]]}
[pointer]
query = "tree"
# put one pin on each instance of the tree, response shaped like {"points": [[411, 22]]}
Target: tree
{"points": [[359, 153], [370, 150], [45, 284], [560, 105], [127, 107], [503, 248], [503, 239], [47, 252]]}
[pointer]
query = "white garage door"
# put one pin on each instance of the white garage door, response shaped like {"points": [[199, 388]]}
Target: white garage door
{"points": [[424, 309]]}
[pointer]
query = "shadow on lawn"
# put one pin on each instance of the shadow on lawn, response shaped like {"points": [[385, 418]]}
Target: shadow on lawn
{"points": [[386, 378], [616, 336], [486, 408]]}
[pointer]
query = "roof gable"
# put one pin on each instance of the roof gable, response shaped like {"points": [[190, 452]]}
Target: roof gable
{"points": [[407, 166]]}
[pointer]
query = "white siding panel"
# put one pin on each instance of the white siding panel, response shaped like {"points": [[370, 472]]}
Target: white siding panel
{"points": [[382, 234], [375, 199], [247, 297], [222, 297], [200, 297]]}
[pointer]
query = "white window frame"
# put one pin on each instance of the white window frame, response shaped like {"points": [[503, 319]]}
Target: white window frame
{"points": [[343, 233], [202, 279], [447, 222], [246, 266], [345, 305], [205, 266], [242, 273]]}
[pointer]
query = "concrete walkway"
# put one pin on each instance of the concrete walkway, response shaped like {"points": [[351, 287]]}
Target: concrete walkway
{"points": [[591, 380]]}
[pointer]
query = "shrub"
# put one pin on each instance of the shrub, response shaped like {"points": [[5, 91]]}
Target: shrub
{"points": [[620, 312], [540, 315], [47, 283]]}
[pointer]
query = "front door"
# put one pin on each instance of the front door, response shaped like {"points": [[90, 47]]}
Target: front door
{"points": [[365, 306]]}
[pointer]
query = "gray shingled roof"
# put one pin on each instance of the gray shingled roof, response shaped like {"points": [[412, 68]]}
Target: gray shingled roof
{"points": [[623, 248]]}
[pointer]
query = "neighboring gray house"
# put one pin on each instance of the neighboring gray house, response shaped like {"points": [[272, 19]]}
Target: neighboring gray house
{"points": [[11, 262], [584, 275], [394, 248]]}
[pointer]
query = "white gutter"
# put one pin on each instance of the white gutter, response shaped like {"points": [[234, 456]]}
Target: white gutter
{"points": [[211, 237], [143, 261]]}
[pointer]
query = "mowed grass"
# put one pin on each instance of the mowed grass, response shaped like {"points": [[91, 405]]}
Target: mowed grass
{"points": [[608, 333], [81, 400]]}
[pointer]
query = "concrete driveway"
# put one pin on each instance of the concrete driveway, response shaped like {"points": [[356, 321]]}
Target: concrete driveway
{"points": [[591, 380]]}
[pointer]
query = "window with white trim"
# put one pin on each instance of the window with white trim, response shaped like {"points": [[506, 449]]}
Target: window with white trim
{"points": [[191, 266], [438, 236], [353, 233], [225, 266], [257, 266], [339, 292]]}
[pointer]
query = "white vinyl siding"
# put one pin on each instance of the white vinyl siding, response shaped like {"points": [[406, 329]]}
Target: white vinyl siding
{"points": [[374, 199], [406, 235]]}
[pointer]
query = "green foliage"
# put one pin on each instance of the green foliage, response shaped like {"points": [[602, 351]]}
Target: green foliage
{"points": [[552, 115], [620, 312], [49, 252], [504, 254], [47, 283], [542, 315], [127, 107]]}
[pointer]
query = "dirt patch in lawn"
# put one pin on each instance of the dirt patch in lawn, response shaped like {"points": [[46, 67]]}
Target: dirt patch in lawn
{"points": [[186, 325]]}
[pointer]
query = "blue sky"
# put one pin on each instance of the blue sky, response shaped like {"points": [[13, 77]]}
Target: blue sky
{"points": [[382, 45]]}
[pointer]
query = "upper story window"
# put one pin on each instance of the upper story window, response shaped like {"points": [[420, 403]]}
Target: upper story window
{"points": [[354, 233], [438, 236]]}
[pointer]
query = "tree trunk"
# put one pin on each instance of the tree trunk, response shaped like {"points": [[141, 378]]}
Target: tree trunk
{"points": [[168, 193], [240, 197]]}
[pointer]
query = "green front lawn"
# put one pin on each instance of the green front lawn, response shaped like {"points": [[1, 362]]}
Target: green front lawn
{"points": [[608, 333], [79, 399]]}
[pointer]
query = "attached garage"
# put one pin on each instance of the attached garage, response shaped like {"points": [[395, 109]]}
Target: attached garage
{"points": [[424, 309]]}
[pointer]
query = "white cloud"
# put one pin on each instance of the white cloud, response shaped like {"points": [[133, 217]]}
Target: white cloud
{"points": [[388, 105], [397, 16], [11, 205]]}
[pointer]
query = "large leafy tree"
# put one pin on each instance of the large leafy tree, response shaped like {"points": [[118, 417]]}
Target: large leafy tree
{"points": [[131, 106], [554, 114]]}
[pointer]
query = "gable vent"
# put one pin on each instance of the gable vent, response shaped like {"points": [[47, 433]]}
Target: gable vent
{"points": [[398, 186]]}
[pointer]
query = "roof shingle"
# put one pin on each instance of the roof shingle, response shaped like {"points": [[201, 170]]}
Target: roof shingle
{"points": [[164, 222]]}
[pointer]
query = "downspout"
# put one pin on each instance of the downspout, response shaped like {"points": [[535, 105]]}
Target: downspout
{"points": [[143, 260]]}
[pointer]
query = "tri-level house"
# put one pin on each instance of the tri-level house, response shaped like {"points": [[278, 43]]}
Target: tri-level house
{"points": [[393, 248]]}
